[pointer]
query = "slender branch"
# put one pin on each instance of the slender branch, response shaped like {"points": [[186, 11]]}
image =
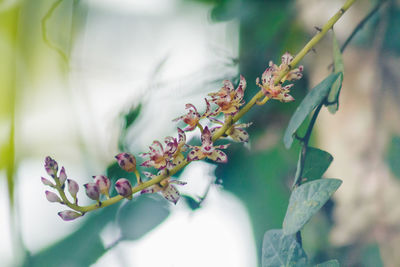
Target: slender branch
{"points": [[228, 124], [361, 24]]}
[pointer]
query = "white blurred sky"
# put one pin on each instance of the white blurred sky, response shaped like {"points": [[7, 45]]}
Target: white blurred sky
{"points": [[112, 67]]}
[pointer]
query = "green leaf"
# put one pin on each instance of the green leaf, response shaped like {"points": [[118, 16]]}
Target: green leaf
{"points": [[309, 103], [393, 157], [137, 217], [79, 249], [305, 201], [330, 263], [337, 85], [282, 250]]}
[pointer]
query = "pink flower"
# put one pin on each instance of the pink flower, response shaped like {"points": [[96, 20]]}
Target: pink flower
{"points": [[227, 98], [272, 73], [51, 166], [103, 183], [52, 197], [193, 117], [169, 157], [69, 215], [126, 161], [92, 191], [63, 176], [207, 149], [124, 188], [73, 188], [165, 187], [236, 132], [47, 182]]}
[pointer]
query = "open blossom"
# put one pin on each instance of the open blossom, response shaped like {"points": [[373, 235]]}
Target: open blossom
{"points": [[227, 98], [193, 117], [236, 132], [168, 157], [165, 187], [207, 149], [269, 76]]}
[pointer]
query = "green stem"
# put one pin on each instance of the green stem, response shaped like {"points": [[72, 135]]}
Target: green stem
{"points": [[228, 124]]}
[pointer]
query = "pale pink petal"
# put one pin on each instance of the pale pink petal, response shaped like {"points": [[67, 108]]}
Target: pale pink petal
{"points": [[69, 215], [206, 137], [171, 194], [181, 136], [228, 85], [73, 187], [218, 156], [47, 182], [286, 98], [287, 58], [222, 146], [52, 197], [239, 135], [195, 154], [63, 176]]}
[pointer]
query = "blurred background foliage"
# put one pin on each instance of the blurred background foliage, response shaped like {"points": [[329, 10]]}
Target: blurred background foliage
{"points": [[37, 44]]}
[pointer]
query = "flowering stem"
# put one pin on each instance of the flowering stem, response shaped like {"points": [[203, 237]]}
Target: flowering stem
{"points": [[228, 123]]}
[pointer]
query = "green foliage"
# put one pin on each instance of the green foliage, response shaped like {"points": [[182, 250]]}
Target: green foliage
{"points": [[330, 263], [315, 97], [316, 163], [391, 40], [139, 216], [128, 119], [282, 250], [333, 96], [393, 156], [305, 201], [79, 249]]}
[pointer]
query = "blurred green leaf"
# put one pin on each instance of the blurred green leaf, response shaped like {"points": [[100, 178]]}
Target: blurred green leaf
{"points": [[130, 117], [330, 263], [371, 256], [337, 85], [316, 163], [309, 103], [393, 156], [391, 40], [79, 249], [191, 202], [305, 201], [282, 250], [141, 215]]}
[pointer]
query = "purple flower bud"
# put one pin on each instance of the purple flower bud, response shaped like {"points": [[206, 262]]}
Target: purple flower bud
{"points": [[69, 215], [51, 166], [92, 191], [126, 161], [103, 183], [63, 176], [52, 197], [47, 182], [124, 188], [73, 187]]}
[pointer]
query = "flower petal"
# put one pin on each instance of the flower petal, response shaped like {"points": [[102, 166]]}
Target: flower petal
{"points": [[239, 135], [206, 137], [287, 58], [69, 215], [218, 156], [170, 193], [181, 137], [195, 154]]}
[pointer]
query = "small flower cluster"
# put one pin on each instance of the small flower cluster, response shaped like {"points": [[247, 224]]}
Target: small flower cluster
{"points": [[94, 190], [175, 152], [270, 75]]}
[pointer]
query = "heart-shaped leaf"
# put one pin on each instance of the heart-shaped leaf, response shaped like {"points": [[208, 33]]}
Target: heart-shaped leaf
{"points": [[309, 103], [305, 201], [282, 250]]}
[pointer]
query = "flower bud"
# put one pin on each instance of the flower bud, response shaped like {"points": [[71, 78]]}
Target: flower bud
{"points": [[92, 191], [51, 166], [103, 183], [73, 187], [69, 215], [124, 188], [62, 176], [126, 161], [47, 182], [52, 197]]}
